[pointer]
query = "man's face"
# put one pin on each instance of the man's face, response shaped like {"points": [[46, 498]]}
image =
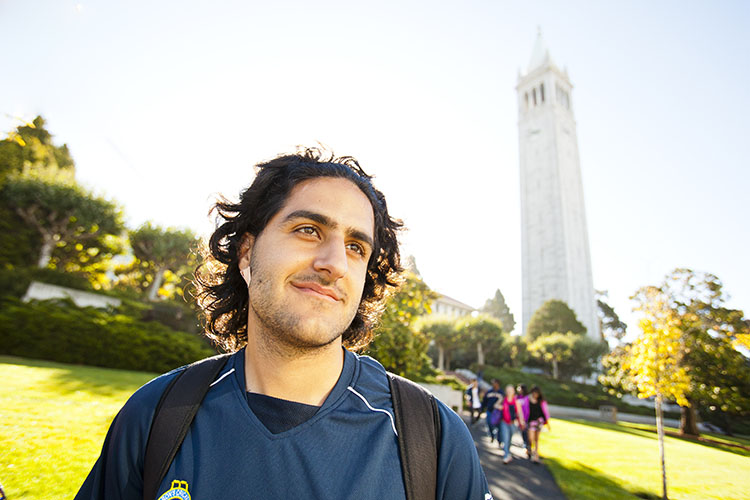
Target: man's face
{"points": [[308, 265]]}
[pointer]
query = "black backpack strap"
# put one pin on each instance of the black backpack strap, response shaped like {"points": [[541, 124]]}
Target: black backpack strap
{"points": [[417, 419], [175, 412]]}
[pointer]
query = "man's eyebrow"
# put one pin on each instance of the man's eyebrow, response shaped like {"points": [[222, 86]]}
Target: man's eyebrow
{"points": [[313, 216], [326, 221], [359, 235]]}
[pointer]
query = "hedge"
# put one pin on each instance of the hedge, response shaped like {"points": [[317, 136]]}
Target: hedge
{"points": [[57, 330]]}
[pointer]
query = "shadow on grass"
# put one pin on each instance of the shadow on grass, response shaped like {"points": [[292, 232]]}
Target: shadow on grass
{"points": [[69, 379], [649, 434], [582, 482]]}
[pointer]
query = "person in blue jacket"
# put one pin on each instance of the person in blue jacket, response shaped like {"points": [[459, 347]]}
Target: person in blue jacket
{"points": [[292, 283], [488, 404]]}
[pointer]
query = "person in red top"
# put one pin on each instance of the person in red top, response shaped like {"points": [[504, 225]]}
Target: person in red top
{"points": [[512, 419]]}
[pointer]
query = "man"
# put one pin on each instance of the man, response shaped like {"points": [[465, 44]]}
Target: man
{"points": [[292, 282], [488, 403], [473, 399]]}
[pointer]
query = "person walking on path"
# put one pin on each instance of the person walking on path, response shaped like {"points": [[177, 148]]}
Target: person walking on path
{"points": [[523, 397], [538, 417], [491, 397], [475, 403], [511, 421]]}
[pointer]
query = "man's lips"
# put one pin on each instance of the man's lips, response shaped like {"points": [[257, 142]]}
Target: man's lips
{"points": [[318, 289]]}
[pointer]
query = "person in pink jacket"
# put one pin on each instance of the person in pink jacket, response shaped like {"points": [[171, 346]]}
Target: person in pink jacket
{"points": [[538, 417], [512, 419], [523, 396]]}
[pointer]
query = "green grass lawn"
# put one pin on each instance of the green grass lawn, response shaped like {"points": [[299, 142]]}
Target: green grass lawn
{"points": [[606, 461], [53, 419]]}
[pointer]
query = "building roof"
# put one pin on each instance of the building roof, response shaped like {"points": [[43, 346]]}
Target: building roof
{"points": [[453, 302]]}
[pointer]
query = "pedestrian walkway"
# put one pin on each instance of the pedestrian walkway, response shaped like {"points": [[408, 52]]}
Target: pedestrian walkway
{"points": [[520, 479]]}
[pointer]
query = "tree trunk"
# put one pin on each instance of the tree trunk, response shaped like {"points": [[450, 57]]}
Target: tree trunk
{"points": [[441, 358], [554, 368], [154, 288], [660, 432], [45, 254], [688, 421], [726, 424], [480, 354]]}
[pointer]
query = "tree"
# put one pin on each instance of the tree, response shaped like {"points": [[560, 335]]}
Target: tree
{"points": [[442, 331], [399, 346], [497, 308], [567, 355], [610, 324], [63, 214], [410, 265], [614, 377], [518, 351], [553, 316], [28, 147], [159, 253], [718, 374], [583, 359], [553, 348], [483, 332], [655, 360], [742, 340]]}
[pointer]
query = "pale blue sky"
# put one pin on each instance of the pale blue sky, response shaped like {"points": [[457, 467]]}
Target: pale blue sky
{"points": [[165, 103]]}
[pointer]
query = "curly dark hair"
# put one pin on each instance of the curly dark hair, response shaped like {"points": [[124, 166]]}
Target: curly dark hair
{"points": [[220, 290]]}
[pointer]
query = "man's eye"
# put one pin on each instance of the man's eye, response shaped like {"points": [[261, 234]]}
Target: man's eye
{"points": [[309, 230], [357, 248]]}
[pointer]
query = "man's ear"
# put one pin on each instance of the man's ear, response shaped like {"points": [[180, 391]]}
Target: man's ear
{"points": [[244, 251]]}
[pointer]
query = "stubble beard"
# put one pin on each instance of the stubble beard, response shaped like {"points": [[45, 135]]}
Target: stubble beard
{"points": [[282, 331]]}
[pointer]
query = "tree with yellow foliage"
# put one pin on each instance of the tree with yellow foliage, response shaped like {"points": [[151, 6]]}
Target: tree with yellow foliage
{"points": [[654, 363], [398, 344], [713, 353]]}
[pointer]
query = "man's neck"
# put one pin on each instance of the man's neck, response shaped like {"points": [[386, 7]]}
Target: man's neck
{"points": [[304, 377]]}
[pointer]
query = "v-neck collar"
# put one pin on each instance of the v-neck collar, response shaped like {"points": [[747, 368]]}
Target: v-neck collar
{"points": [[348, 376]]}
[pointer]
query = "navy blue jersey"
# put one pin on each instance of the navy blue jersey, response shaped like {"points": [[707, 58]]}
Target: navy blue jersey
{"points": [[347, 449], [490, 398]]}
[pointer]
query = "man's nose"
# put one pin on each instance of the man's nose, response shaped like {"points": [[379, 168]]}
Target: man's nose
{"points": [[331, 258]]}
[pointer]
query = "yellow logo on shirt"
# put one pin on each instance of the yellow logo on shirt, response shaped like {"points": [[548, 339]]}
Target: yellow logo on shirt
{"points": [[178, 491]]}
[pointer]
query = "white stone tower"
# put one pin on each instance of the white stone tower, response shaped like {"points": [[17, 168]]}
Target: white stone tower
{"points": [[555, 244]]}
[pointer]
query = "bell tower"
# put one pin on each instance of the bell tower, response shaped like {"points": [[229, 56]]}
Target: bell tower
{"points": [[556, 262]]}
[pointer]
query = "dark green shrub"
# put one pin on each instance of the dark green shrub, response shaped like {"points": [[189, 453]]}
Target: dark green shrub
{"points": [[19, 243], [59, 331], [173, 314]]}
